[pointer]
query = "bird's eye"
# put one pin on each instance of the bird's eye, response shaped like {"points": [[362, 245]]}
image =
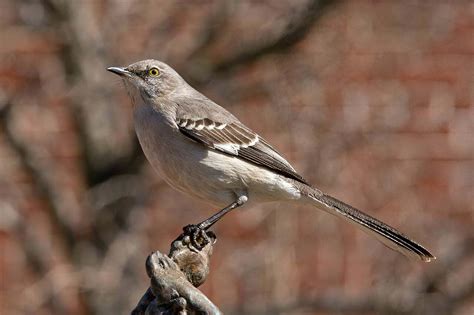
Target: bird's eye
{"points": [[154, 72]]}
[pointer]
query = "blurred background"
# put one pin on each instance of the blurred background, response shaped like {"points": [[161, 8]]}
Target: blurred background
{"points": [[375, 100]]}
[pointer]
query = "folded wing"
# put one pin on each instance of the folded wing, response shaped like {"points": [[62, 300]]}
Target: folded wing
{"points": [[236, 139]]}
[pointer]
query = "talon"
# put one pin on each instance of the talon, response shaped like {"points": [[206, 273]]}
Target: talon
{"points": [[195, 236], [189, 228], [211, 236]]}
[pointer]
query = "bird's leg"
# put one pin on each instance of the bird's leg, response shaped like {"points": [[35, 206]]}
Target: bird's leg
{"points": [[206, 224], [197, 232]]}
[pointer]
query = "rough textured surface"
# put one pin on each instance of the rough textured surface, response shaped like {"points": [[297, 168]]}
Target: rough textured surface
{"points": [[174, 278]]}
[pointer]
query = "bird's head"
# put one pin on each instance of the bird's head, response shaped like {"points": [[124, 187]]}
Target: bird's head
{"points": [[150, 78]]}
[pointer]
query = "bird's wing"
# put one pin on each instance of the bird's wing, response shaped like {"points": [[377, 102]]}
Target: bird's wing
{"points": [[235, 139]]}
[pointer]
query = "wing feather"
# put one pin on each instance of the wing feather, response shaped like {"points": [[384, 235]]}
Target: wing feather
{"points": [[236, 139]]}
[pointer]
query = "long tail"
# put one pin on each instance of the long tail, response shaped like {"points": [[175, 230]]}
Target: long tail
{"points": [[384, 233]]}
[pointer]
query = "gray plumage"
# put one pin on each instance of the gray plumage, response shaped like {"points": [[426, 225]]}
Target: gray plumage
{"points": [[200, 148]]}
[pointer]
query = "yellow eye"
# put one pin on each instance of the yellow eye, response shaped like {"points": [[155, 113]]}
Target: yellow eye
{"points": [[154, 72]]}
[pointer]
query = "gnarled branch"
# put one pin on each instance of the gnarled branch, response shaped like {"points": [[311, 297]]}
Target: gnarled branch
{"points": [[175, 278]]}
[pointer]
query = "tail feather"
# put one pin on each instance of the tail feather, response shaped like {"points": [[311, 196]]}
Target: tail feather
{"points": [[384, 233]]}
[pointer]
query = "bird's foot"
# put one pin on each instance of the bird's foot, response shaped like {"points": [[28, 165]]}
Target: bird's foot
{"points": [[197, 237]]}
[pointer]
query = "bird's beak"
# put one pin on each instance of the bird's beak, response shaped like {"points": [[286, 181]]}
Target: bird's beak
{"points": [[119, 71]]}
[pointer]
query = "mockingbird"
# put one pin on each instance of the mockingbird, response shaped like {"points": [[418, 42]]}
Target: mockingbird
{"points": [[201, 149]]}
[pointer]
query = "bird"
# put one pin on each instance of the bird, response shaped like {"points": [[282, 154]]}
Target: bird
{"points": [[201, 149]]}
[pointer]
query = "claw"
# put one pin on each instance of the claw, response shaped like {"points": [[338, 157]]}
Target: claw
{"points": [[197, 237]]}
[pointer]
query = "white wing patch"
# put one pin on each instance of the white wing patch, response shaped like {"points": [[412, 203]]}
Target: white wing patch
{"points": [[191, 125], [229, 138]]}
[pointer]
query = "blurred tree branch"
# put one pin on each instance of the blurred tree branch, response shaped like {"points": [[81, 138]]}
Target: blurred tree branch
{"points": [[39, 178], [296, 29], [50, 198], [83, 57], [210, 31], [199, 68]]}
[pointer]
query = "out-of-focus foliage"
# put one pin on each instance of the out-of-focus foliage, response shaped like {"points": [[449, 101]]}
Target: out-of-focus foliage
{"points": [[372, 101]]}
